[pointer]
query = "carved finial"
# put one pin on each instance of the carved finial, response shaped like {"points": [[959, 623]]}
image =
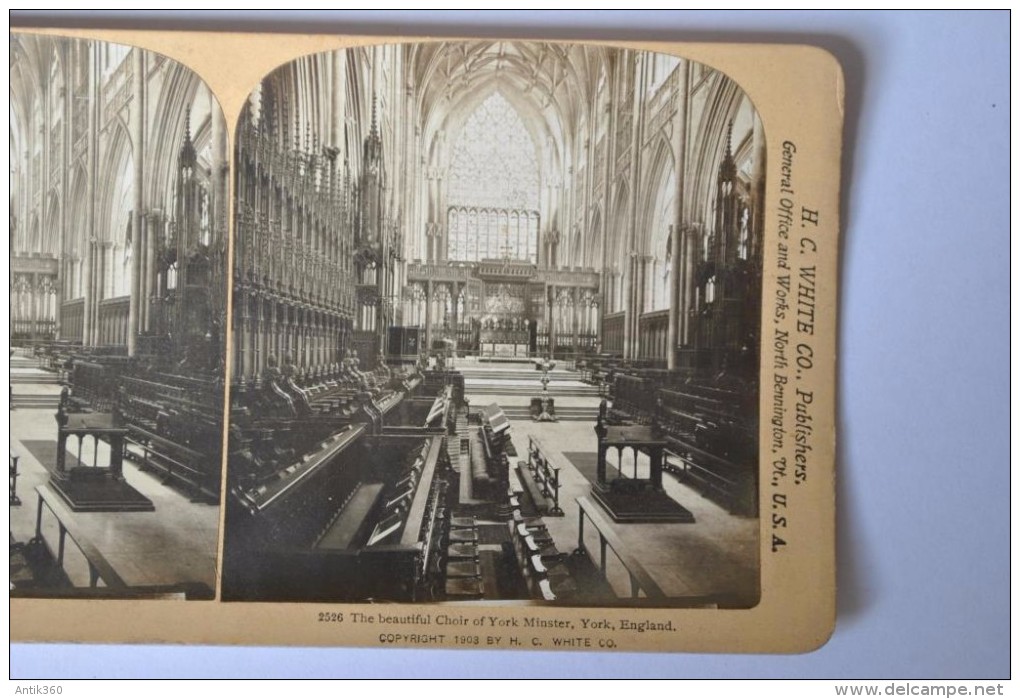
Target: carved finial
{"points": [[728, 168], [187, 155]]}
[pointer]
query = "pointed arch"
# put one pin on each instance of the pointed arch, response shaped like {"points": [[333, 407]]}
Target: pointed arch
{"points": [[115, 176]]}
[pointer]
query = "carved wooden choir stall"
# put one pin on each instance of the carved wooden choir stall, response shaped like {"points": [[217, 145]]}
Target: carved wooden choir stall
{"points": [[162, 405]]}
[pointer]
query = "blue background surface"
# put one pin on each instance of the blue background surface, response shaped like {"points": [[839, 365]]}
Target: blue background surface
{"points": [[923, 462]]}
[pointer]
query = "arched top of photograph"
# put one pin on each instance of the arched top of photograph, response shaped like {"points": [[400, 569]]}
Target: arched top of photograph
{"points": [[118, 247], [519, 223]]}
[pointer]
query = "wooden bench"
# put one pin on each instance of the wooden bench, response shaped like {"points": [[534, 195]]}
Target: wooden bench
{"points": [[99, 567], [640, 580]]}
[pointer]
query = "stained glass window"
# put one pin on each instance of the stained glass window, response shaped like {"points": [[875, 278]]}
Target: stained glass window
{"points": [[493, 187]]}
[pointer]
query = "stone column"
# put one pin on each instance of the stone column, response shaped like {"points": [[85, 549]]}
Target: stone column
{"points": [[607, 197], [44, 166], [691, 247], [151, 228], [627, 292], [105, 262], [567, 259], [641, 348], [675, 302], [137, 123], [639, 61], [63, 278], [92, 138]]}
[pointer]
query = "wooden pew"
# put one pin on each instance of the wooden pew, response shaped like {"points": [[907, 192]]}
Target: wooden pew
{"points": [[99, 567], [709, 424], [545, 476], [175, 425]]}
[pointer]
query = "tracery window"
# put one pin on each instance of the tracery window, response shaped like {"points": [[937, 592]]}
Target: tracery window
{"points": [[494, 187]]}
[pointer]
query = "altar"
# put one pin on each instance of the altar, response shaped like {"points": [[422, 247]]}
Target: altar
{"points": [[504, 350]]}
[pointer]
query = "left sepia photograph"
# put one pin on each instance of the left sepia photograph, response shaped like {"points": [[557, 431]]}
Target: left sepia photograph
{"points": [[118, 296]]}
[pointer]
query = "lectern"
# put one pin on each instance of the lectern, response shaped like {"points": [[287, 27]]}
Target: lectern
{"points": [[633, 495], [88, 485]]}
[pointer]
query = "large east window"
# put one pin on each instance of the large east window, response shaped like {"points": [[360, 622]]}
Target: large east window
{"points": [[493, 191]]}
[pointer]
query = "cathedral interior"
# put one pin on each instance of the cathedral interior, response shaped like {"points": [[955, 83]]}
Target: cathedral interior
{"points": [[118, 242], [493, 331]]}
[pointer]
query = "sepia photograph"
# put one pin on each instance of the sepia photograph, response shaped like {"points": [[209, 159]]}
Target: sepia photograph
{"points": [[496, 330], [118, 298], [384, 342]]}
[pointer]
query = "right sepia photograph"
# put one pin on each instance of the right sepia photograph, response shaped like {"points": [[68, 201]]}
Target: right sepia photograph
{"points": [[496, 330]]}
